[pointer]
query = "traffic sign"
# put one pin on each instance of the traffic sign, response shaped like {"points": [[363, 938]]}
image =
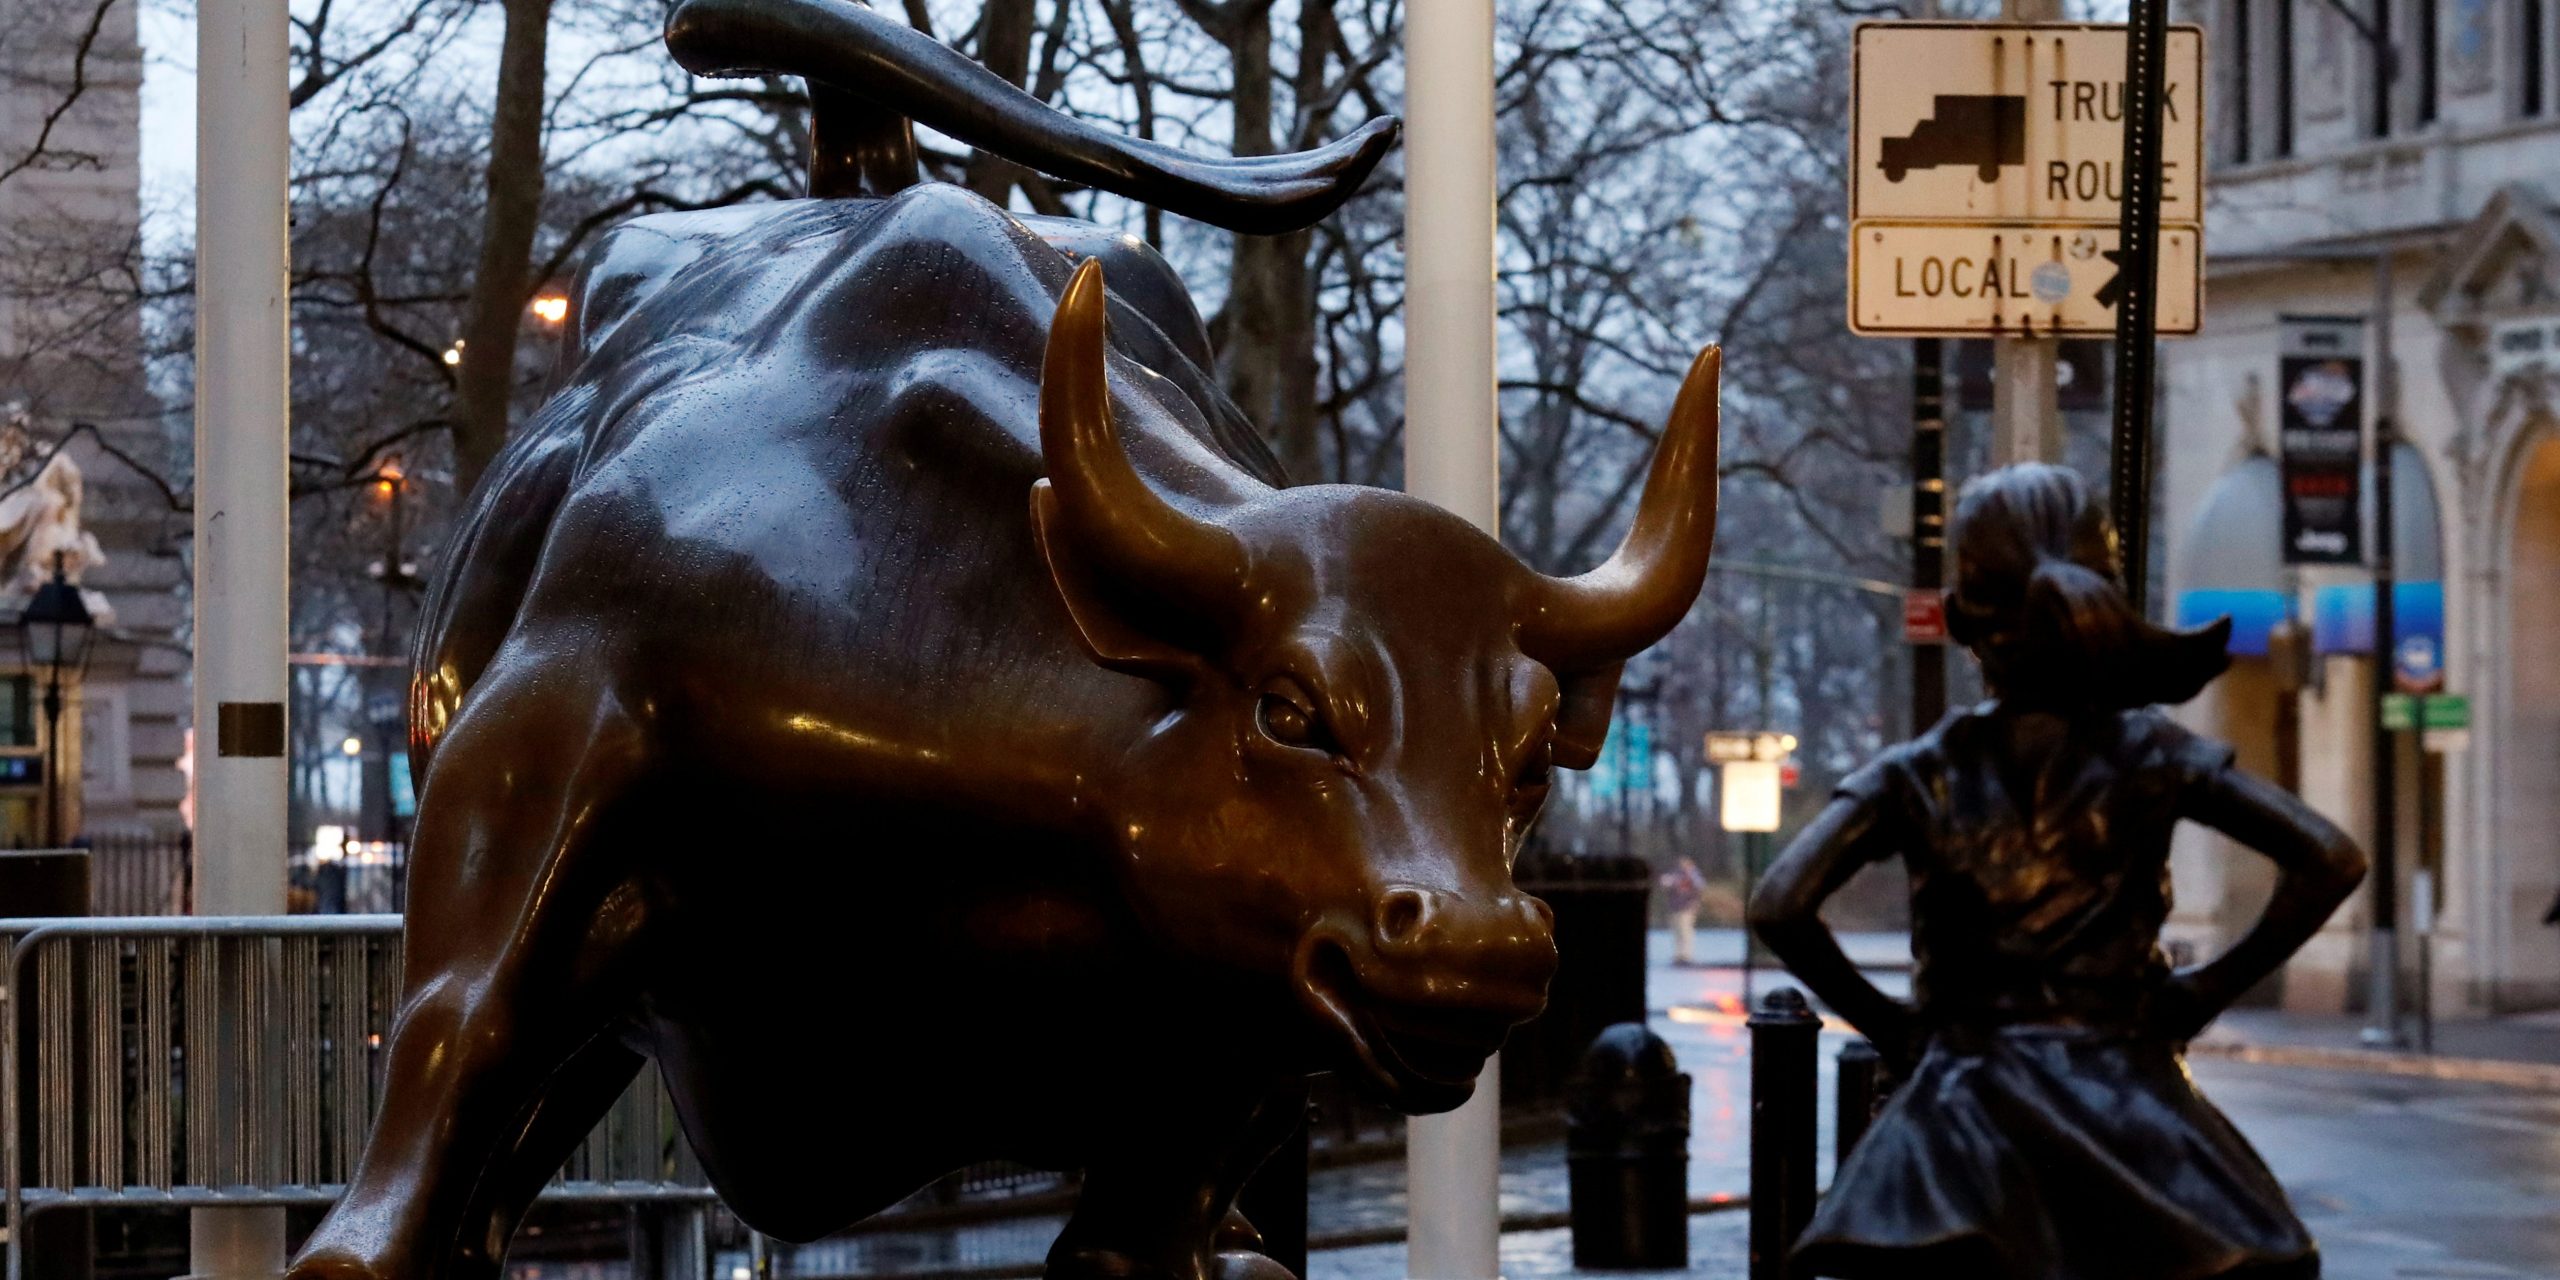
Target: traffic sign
{"points": [[2417, 664], [2445, 721], [2399, 711], [1724, 746], [1985, 179], [2014, 278], [2437, 711], [2002, 122], [1924, 616], [1750, 799]]}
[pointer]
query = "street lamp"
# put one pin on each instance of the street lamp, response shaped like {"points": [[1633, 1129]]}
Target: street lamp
{"points": [[54, 634]]}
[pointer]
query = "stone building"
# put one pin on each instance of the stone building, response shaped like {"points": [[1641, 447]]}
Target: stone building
{"points": [[2322, 171], [71, 352]]}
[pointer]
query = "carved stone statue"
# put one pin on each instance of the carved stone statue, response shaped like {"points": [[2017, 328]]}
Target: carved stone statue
{"points": [[888, 686], [40, 522], [2045, 1128]]}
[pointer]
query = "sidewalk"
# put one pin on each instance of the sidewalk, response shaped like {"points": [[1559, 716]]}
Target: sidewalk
{"points": [[2519, 1050]]}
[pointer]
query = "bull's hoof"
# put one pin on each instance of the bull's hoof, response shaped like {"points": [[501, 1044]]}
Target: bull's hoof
{"points": [[334, 1265], [329, 1263], [1245, 1264]]}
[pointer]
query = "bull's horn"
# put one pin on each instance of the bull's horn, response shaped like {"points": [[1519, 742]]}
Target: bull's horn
{"points": [[1116, 523], [1609, 614]]}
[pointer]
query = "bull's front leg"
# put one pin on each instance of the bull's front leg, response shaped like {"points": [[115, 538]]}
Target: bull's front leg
{"points": [[1161, 1205], [521, 942]]}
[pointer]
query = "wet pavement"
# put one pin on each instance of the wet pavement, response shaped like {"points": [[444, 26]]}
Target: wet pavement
{"points": [[2401, 1177]]}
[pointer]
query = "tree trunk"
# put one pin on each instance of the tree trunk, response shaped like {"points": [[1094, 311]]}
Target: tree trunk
{"points": [[1266, 332], [499, 288], [1005, 28]]}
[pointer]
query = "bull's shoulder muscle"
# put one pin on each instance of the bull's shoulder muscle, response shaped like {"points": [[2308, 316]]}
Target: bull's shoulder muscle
{"points": [[791, 406]]}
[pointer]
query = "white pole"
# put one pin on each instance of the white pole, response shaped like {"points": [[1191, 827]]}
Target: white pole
{"points": [[240, 516], [1452, 456], [235, 1244]]}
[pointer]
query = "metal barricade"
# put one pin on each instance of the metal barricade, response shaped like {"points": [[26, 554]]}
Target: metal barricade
{"points": [[184, 1061]]}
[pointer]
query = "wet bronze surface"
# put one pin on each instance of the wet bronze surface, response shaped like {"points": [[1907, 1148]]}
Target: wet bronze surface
{"points": [[2046, 1128], [886, 687]]}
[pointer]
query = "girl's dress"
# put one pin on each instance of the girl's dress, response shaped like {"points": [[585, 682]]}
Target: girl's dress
{"points": [[2046, 1133]]}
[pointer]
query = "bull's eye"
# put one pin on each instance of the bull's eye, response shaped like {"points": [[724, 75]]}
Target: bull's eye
{"points": [[1291, 723]]}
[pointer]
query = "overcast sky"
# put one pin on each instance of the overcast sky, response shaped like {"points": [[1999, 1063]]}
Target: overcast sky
{"points": [[168, 113]]}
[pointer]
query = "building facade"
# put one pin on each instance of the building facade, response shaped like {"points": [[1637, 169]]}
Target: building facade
{"points": [[72, 352], [2345, 188]]}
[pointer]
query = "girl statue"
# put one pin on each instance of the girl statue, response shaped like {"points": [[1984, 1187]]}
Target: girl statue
{"points": [[2046, 1128]]}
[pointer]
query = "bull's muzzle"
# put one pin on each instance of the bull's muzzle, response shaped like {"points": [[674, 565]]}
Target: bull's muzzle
{"points": [[1426, 988]]}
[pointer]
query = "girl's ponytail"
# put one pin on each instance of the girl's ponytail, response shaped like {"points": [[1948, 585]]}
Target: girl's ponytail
{"points": [[2038, 601]]}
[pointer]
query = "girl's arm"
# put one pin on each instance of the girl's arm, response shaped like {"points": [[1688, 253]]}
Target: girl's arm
{"points": [[2317, 866], [1852, 831]]}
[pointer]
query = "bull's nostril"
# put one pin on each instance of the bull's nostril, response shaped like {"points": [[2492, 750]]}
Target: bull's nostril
{"points": [[1401, 915]]}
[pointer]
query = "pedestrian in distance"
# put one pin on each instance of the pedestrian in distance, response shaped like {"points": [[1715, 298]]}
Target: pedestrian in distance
{"points": [[1684, 888], [2046, 1128]]}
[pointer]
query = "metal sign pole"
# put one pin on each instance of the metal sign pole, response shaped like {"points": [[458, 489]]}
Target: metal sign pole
{"points": [[1928, 522], [2137, 316], [2382, 1004]]}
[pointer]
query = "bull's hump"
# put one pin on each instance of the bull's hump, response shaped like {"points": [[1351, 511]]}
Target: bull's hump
{"points": [[926, 313]]}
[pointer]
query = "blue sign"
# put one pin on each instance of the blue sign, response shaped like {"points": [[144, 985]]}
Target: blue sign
{"points": [[2342, 618], [404, 798], [1626, 761], [2253, 614]]}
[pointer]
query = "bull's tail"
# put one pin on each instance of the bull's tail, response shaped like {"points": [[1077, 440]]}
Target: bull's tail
{"points": [[869, 77]]}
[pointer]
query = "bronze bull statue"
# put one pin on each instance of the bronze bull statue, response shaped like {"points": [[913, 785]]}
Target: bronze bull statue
{"points": [[890, 688]]}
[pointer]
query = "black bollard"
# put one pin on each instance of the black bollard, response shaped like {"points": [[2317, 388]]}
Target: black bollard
{"points": [[1627, 1153], [1853, 1098], [1783, 1072]]}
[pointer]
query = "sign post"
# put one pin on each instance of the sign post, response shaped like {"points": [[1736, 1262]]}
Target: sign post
{"points": [[1751, 780], [2145, 91]]}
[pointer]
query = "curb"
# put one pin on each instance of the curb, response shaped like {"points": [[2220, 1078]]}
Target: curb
{"points": [[1358, 1237], [1543, 1220], [2497, 1071]]}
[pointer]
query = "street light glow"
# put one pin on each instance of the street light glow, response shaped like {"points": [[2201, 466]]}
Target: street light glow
{"points": [[353, 746], [551, 308]]}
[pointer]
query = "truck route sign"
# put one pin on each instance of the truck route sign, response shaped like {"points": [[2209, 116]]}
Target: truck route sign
{"points": [[1985, 181]]}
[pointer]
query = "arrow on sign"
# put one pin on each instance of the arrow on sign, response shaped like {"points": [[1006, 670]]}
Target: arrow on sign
{"points": [[2114, 287]]}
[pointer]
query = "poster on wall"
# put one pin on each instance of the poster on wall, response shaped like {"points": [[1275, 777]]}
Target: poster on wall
{"points": [[2320, 395]]}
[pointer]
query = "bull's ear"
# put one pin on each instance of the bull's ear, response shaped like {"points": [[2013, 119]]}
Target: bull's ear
{"points": [[1582, 715], [1107, 633]]}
